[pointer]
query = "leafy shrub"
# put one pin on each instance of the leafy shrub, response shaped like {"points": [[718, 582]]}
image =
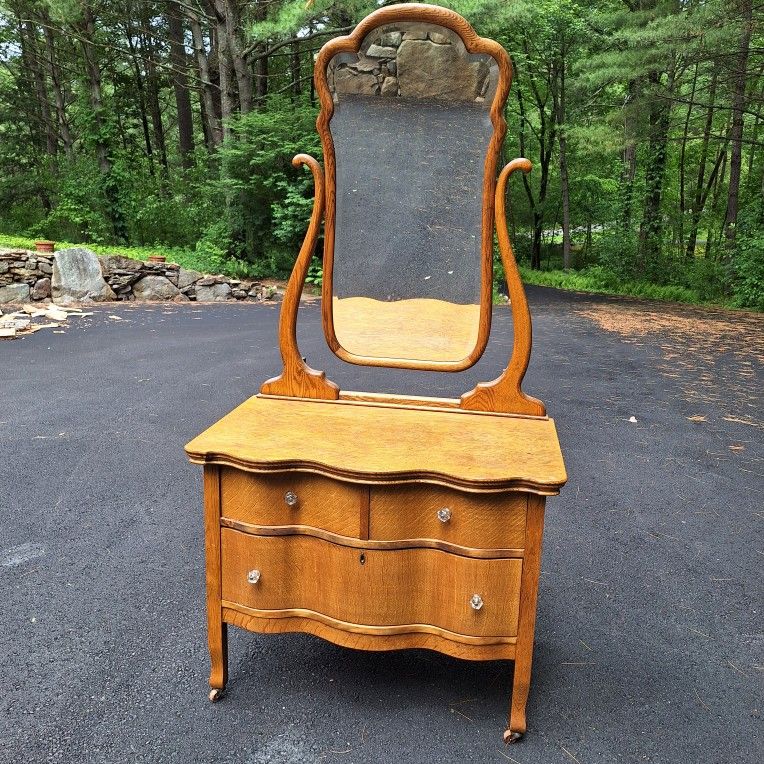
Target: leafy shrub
{"points": [[749, 267], [315, 272], [268, 199]]}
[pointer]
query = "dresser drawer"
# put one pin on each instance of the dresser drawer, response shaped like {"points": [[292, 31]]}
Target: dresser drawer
{"points": [[479, 521], [372, 587], [292, 498]]}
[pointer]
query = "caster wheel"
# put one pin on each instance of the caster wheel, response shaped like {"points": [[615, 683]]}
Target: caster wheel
{"points": [[512, 737], [215, 694]]}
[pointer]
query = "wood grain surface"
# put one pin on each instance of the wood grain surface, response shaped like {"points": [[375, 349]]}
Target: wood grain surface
{"points": [[487, 521], [365, 543], [217, 638], [505, 393], [376, 443], [297, 378], [323, 503], [372, 587], [521, 681], [376, 638]]}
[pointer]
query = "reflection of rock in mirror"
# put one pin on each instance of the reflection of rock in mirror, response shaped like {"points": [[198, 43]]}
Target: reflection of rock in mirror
{"points": [[411, 131], [414, 61]]}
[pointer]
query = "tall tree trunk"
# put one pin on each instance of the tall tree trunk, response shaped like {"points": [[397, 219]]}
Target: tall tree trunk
{"points": [[87, 29], [225, 73], [261, 63], [295, 70], [54, 72], [659, 121], [180, 82], [93, 71], [213, 129], [682, 154], [629, 171], [699, 199], [48, 137], [140, 86], [546, 136], [715, 197], [736, 133], [152, 88], [238, 58], [564, 183], [261, 80]]}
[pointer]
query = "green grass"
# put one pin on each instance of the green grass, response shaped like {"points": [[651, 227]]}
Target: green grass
{"points": [[188, 258], [599, 281], [592, 279]]}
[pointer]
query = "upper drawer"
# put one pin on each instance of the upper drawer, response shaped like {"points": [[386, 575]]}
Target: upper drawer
{"points": [[478, 521], [292, 498]]}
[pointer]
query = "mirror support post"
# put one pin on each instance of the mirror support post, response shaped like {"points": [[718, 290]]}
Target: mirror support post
{"points": [[298, 380], [504, 394]]}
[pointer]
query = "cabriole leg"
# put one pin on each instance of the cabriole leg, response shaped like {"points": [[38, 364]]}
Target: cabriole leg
{"points": [[218, 642], [521, 682], [217, 633]]}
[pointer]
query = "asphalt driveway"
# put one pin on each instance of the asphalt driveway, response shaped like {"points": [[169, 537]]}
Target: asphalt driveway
{"points": [[649, 630]]}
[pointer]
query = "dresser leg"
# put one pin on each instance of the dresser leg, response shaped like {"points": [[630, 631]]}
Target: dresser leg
{"points": [[218, 642], [217, 630], [521, 682]]}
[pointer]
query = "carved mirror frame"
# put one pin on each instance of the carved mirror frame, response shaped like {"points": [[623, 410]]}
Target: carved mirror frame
{"points": [[502, 395], [474, 45]]}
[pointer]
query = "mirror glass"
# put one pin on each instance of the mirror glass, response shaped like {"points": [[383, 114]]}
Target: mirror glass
{"points": [[411, 129]]}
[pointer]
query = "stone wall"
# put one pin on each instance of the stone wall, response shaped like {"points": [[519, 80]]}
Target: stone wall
{"points": [[415, 61], [79, 275]]}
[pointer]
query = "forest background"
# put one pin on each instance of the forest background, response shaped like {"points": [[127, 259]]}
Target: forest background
{"points": [[171, 126]]}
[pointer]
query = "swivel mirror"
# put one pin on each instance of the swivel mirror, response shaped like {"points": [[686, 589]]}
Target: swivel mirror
{"points": [[409, 121], [407, 234]]}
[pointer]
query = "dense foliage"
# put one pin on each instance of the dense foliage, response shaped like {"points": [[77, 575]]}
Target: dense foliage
{"points": [[173, 123]]}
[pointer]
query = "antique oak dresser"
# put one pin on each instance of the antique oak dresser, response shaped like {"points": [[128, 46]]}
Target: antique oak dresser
{"points": [[373, 520]]}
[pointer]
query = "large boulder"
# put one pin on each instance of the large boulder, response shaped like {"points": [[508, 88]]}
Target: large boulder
{"points": [[154, 288], [14, 293], [77, 277], [41, 289], [348, 81], [187, 277], [432, 70], [111, 263], [213, 293]]}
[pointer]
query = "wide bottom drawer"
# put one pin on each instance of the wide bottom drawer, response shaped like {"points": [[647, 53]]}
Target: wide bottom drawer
{"points": [[374, 587]]}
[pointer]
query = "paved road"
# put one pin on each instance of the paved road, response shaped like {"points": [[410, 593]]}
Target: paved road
{"points": [[649, 627]]}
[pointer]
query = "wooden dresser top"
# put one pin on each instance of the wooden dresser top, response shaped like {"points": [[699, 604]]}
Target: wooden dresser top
{"points": [[382, 443]]}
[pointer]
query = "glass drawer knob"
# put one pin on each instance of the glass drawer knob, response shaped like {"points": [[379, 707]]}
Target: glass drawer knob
{"points": [[476, 602], [444, 514], [253, 576], [290, 497]]}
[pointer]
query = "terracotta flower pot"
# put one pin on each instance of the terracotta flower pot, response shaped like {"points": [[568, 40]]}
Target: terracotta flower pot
{"points": [[45, 246]]}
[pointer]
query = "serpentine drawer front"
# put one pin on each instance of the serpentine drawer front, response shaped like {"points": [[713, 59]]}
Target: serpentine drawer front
{"points": [[293, 498], [480, 521], [425, 587]]}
